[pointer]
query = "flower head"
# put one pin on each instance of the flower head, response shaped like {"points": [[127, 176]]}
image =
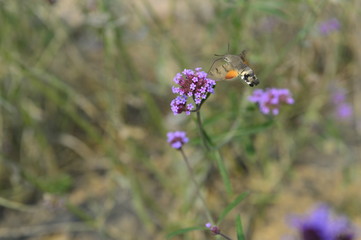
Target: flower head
{"points": [[270, 99], [179, 105], [322, 225], [177, 139], [329, 26], [214, 229], [343, 110], [193, 84]]}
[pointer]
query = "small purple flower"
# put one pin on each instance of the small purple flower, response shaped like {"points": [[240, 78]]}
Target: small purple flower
{"points": [[179, 105], [177, 139], [270, 99], [193, 83], [329, 26], [214, 229], [322, 225], [343, 110]]}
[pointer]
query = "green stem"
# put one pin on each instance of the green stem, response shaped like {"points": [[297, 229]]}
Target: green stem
{"points": [[209, 145], [15, 205], [209, 216], [224, 236]]}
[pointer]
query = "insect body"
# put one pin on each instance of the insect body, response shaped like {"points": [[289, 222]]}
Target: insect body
{"points": [[233, 67]]}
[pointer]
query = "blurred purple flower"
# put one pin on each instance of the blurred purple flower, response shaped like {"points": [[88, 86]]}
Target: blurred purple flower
{"points": [[193, 84], [214, 229], [338, 97], [270, 99], [179, 105], [343, 110], [177, 139], [322, 225], [329, 26]]}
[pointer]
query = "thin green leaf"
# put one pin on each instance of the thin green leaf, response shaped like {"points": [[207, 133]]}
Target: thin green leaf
{"points": [[6, 105], [212, 120], [244, 131], [183, 231], [239, 229], [272, 8], [232, 205], [224, 173], [254, 129], [274, 11]]}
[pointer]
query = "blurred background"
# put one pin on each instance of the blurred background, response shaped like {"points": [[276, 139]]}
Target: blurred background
{"points": [[84, 98]]}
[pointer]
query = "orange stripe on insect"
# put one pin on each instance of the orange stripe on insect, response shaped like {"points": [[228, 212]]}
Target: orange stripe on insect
{"points": [[231, 74]]}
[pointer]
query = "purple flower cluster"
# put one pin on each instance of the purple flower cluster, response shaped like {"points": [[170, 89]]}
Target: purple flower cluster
{"points": [[343, 109], [194, 84], [177, 139], [270, 99], [321, 224], [329, 26], [179, 105]]}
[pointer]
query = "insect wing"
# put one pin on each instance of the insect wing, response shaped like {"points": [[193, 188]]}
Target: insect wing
{"points": [[219, 71]]}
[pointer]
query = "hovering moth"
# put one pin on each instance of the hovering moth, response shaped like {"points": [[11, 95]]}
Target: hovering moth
{"points": [[233, 67]]}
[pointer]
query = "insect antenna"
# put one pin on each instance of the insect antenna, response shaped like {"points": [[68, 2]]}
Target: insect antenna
{"points": [[220, 55]]}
